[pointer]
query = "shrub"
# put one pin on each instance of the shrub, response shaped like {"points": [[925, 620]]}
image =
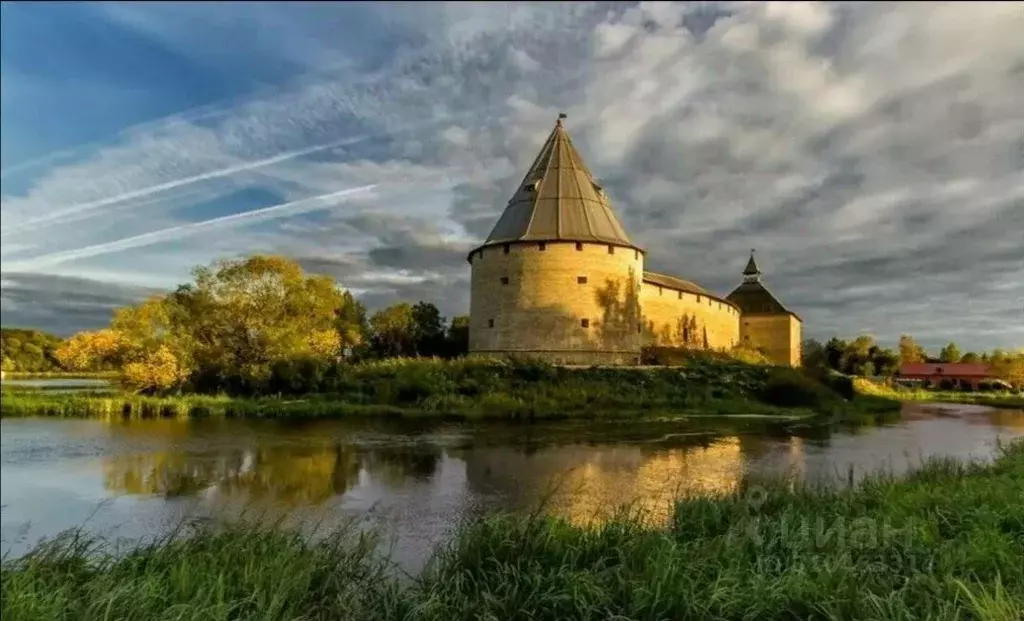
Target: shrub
{"points": [[790, 388], [842, 385]]}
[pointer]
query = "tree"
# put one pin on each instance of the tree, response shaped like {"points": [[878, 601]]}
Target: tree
{"points": [[856, 358], [834, 349], [457, 338], [970, 358], [157, 354], [950, 353], [814, 357], [910, 351], [245, 316], [229, 329], [88, 351], [1008, 367], [428, 327], [352, 325], [393, 331], [885, 361], [29, 350]]}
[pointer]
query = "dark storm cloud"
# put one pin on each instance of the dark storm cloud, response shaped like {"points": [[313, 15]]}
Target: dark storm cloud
{"points": [[418, 257], [450, 295], [62, 304]]}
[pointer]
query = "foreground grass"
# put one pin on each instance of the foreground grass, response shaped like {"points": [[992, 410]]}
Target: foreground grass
{"points": [[471, 389], [943, 543]]}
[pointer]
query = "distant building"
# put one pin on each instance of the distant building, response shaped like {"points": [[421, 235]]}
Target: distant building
{"points": [[559, 279], [954, 375]]}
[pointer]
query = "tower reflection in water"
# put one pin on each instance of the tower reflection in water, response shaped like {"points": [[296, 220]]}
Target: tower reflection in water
{"points": [[585, 484]]}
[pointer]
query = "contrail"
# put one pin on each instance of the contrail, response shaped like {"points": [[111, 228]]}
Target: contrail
{"points": [[176, 232], [189, 115], [170, 185], [80, 208]]}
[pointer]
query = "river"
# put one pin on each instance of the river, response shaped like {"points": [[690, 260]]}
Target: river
{"points": [[417, 481]]}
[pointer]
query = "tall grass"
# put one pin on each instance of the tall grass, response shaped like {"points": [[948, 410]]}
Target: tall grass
{"points": [[946, 542], [246, 573], [473, 388]]}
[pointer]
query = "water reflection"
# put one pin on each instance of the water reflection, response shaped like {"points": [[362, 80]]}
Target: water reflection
{"points": [[289, 474], [421, 481], [306, 475], [585, 484]]}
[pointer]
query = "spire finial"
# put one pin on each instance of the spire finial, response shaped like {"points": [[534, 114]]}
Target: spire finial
{"points": [[561, 115], [751, 272]]}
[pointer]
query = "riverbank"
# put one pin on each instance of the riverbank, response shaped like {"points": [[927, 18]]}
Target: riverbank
{"points": [[941, 543], [476, 389], [1005, 400], [103, 375]]}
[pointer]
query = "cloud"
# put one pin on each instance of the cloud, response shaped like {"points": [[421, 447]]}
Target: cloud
{"points": [[178, 232], [872, 153], [63, 304]]}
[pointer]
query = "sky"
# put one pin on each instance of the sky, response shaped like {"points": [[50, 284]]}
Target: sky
{"points": [[872, 153]]}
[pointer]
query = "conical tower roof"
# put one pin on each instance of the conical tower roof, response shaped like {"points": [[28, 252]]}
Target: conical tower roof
{"points": [[558, 200], [751, 268], [752, 297]]}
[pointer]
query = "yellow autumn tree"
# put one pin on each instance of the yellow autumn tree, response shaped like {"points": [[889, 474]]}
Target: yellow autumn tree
{"points": [[247, 315], [155, 370], [228, 329], [155, 352], [1008, 366], [89, 350]]}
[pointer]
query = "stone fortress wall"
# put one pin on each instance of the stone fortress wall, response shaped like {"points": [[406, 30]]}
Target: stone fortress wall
{"points": [[565, 302], [679, 316]]}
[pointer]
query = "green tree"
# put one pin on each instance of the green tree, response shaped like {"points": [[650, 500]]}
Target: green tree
{"points": [[910, 351], [834, 349], [30, 351], [970, 358], [457, 337], [885, 361], [428, 325], [814, 357], [856, 358], [950, 353], [393, 331], [352, 323]]}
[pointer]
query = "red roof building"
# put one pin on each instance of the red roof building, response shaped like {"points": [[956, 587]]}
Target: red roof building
{"points": [[952, 375]]}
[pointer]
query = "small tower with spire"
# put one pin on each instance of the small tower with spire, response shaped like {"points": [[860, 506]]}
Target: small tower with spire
{"points": [[750, 272], [765, 323]]}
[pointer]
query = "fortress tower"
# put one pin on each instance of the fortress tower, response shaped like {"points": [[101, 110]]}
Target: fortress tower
{"points": [[557, 278], [766, 324]]}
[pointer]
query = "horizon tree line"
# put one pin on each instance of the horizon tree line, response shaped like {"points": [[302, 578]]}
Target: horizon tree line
{"points": [[242, 321]]}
